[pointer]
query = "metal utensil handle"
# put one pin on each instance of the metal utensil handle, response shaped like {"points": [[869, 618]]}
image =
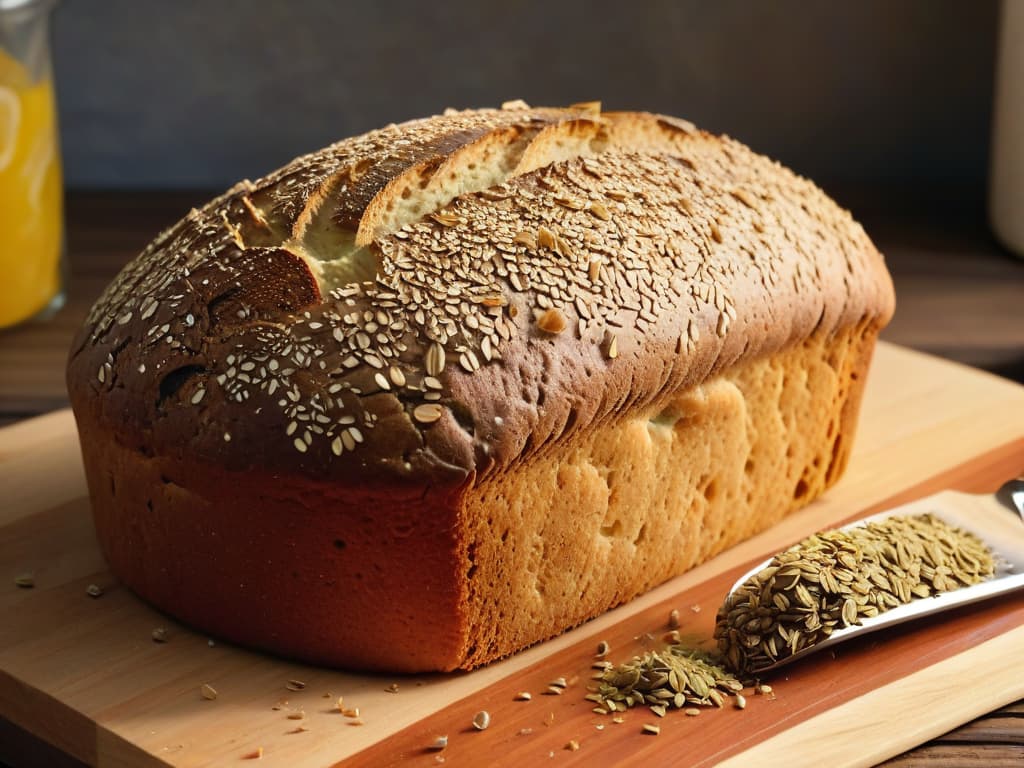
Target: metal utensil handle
{"points": [[1011, 496]]}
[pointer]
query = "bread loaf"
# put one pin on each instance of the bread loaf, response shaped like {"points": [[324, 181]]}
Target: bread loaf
{"points": [[439, 392]]}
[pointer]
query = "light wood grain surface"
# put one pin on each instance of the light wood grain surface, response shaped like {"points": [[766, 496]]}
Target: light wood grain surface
{"points": [[959, 296]]}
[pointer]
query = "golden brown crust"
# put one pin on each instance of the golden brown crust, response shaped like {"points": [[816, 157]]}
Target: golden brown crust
{"points": [[685, 261]]}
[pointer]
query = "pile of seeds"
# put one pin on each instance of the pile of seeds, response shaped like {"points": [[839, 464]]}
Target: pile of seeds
{"points": [[676, 677], [837, 578]]}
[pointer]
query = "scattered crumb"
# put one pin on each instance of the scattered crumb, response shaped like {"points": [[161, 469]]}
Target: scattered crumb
{"points": [[393, 688], [298, 729], [295, 685], [159, 635], [208, 692], [94, 590], [350, 712], [695, 608], [573, 745], [210, 643], [525, 731], [256, 754], [296, 715], [25, 581]]}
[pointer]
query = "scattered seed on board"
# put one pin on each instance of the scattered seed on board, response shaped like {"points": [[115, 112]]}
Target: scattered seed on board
{"points": [[351, 712], [558, 682], [524, 696], [691, 711], [741, 701], [295, 685], [340, 704], [652, 729], [393, 688], [208, 692], [675, 677], [25, 581], [93, 590], [159, 635], [298, 729], [300, 715], [440, 742], [256, 754], [603, 649], [481, 720], [573, 745], [673, 619]]}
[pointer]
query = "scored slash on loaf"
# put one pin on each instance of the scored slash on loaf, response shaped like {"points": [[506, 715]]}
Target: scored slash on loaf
{"points": [[441, 391]]}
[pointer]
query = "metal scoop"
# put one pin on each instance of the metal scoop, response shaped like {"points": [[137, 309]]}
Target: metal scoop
{"points": [[996, 519]]}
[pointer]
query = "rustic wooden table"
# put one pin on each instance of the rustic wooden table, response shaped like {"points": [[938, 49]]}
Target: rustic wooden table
{"points": [[960, 296]]}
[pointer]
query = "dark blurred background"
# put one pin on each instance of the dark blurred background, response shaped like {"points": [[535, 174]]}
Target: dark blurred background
{"points": [[199, 94]]}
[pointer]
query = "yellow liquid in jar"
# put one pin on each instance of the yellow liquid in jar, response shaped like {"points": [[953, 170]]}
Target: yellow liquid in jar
{"points": [[30, 194]]}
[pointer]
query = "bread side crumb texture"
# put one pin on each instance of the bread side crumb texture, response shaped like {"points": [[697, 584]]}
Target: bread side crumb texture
{"points": [[443, 390]]}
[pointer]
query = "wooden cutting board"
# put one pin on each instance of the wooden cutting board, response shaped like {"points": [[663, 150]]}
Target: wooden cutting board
{"points": [[84, 674]]}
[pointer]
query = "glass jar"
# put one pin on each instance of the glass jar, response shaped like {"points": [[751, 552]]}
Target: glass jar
{"points": [[31, 199]]}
